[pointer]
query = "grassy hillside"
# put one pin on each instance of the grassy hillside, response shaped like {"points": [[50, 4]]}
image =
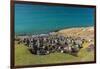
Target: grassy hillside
{"points": [[24, 57]]}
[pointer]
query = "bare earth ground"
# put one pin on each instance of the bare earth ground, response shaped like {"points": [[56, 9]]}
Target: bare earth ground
{"points": [[87, 32], [24, 57]]}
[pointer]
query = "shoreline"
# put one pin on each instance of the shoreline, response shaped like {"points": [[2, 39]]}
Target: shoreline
{"points": [[72, 28], [86, 33]]}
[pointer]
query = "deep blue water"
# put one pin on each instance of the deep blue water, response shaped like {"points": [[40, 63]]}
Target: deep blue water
{"points": [[37, 19]]}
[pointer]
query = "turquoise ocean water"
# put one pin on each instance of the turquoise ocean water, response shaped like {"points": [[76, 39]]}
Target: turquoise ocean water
{"points": [[37, 19]]}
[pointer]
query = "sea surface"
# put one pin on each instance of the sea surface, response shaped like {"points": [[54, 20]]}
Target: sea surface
{"points": [[40, 19]]}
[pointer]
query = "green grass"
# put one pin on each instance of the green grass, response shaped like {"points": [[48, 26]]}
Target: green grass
{"points": [[24, 57]]}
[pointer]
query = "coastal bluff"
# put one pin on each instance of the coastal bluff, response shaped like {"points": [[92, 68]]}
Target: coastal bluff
{"points": [[83, 32]]}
